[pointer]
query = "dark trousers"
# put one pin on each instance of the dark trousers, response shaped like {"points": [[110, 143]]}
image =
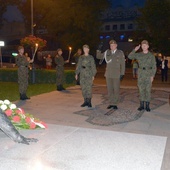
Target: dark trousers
{"points": [[164, 74]]}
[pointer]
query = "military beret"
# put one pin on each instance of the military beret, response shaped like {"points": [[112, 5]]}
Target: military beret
{"points": [[112, 42], [86, 46], [20, 47], [145, 42]]}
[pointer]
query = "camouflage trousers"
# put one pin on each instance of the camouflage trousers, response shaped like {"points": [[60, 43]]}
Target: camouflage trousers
{"points": [[144, 85], [59, 75], [86, 86], [23, 79]]}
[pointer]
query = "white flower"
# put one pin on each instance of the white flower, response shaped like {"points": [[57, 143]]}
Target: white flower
{"points": [[1, 102], [3, 107], [12, 106], [6, 102]]}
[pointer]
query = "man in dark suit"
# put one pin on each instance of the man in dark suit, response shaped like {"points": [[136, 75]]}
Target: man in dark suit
{"points": [[164, 69]]}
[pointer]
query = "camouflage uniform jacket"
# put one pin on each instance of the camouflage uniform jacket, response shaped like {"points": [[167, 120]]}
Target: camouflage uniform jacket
{"points": [[59, 61], [76, 58], [86, 66], [22, 64], [21, 61], [147, 63]]}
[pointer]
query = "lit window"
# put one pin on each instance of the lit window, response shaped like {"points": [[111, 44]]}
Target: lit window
{"points": [[122, 37], [107, 36], [101, 37]]}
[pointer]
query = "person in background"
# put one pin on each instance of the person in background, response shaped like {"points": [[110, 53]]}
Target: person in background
{"points": [[59, 61], [115, 71], [164, 69], [23, 64], [146, 73], [86, 67], [48, 61], [135, 68], [76, 59]]}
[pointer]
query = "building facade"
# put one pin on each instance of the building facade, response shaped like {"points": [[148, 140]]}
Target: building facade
{"points": [[120, 24]]}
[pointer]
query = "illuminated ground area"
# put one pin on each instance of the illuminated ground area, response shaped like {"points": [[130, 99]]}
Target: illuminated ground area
{"points": [[72, 142]]}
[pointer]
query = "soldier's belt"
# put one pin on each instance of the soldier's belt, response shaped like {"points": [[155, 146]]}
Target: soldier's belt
{"points": [[144, 68], [23, 66]]}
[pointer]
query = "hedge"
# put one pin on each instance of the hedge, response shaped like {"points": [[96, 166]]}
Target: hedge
{"points": [[41, 76]]}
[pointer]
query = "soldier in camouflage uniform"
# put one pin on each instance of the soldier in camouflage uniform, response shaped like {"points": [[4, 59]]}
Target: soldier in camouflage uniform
{"points": [[59, 61], [146, 73], [76, 58], [115, 71], [87, 69], [23, 64]]}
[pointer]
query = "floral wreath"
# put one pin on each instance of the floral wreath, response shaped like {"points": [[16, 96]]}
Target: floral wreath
{"points": [[19, 118]]}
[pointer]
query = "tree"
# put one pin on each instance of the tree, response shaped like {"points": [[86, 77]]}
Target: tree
{"points": [[155, 20], [31, 41], [70, 22]]}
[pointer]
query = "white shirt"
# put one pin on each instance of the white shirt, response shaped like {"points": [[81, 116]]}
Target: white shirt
{"points": [[163, 64], [113, 52]]}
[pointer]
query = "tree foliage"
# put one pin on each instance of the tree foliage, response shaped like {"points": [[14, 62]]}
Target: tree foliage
{"points": [[155, 20], [70, 22], [31, 41]]}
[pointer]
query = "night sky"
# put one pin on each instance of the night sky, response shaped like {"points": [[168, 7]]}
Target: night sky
{"points": [[13, 14], [127, 3]]}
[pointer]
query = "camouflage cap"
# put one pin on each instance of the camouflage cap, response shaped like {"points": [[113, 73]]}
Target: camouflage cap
{"points": [[59, 49], [112, 42], [20, 47], [145, 42], [86, 46]]}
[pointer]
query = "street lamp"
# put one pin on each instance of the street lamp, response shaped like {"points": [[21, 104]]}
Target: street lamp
{"points": [[32, 18], [1, 45]]}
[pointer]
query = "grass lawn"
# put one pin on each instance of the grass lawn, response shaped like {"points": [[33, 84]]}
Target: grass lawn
{"points": [[9, 90]]}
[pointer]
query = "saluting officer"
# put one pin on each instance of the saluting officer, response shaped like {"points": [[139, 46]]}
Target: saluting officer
{"points": [[146, 73], [115, 71]]}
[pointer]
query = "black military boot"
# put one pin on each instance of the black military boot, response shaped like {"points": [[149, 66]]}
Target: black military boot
{"points": [[141, 107], [62, 88], [22, 97], [59, 88], [85, 103], [89, 102], [147, 107], [26, 97]]}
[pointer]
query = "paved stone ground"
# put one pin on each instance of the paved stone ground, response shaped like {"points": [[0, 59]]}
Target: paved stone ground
{"points": [[129, 102]]}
